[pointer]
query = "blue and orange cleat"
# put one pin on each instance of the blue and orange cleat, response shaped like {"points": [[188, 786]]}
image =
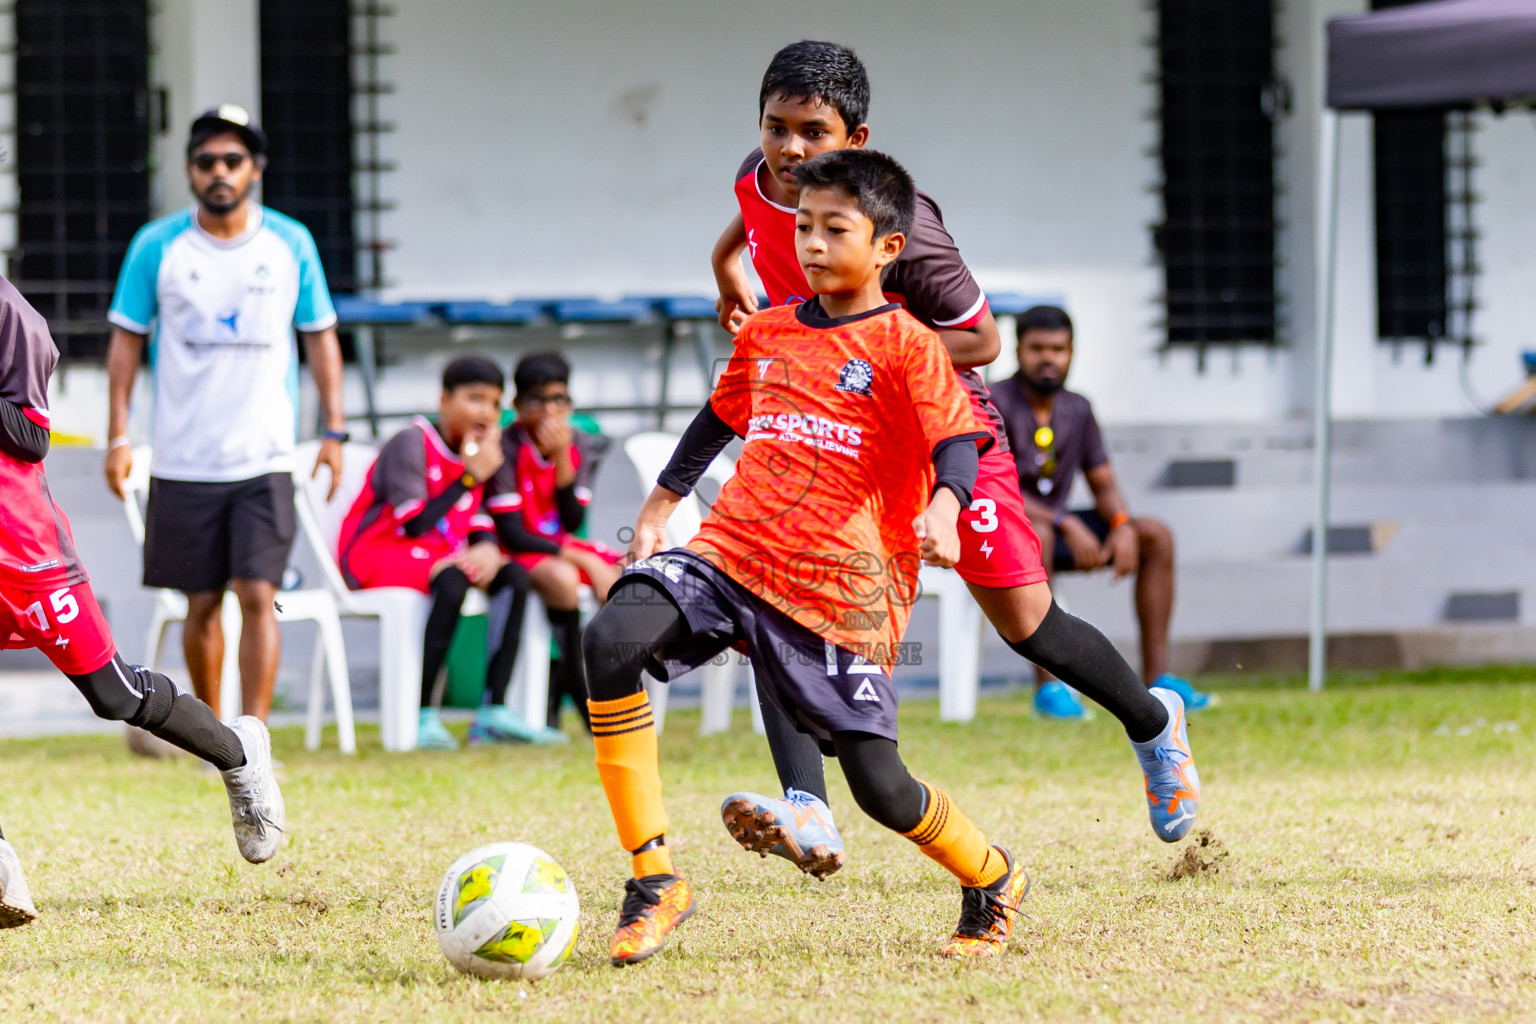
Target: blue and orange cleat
{"points": [[986, 914], [798, 828], [653, 907], [1173, 784]]}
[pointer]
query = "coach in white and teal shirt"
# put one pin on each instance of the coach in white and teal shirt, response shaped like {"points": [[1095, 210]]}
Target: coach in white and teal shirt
{"points": [[219, 290]]}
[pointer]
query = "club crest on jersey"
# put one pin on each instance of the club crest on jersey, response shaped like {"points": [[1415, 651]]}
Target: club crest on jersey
{"points": [[855, 377]]}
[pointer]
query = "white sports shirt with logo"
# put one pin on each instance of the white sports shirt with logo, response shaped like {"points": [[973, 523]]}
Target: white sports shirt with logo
{"points": [[222, 352]]}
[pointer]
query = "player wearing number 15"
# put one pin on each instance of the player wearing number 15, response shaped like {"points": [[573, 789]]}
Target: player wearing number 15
{"points": [[46, 603]]}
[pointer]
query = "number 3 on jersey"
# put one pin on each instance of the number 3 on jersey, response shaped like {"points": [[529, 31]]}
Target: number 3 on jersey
{"points": [[65, 608], [986, 515]]}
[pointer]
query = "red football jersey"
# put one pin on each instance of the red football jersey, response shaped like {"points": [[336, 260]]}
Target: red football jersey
{"points": [[37, 549], [525, 483], [929, 278], [413, 468]]}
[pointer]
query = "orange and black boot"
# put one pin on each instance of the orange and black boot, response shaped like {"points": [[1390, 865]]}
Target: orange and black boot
{"points": [[986, 913], [653, 906]]}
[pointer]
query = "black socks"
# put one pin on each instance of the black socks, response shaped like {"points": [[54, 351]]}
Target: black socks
{"points": [[796, 756], [1082, 657]]}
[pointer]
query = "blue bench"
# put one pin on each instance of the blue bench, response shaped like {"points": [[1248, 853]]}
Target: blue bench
{"points": [[586, 311], [1012, 303], [677, 315], [515, 313], [355, 311]]}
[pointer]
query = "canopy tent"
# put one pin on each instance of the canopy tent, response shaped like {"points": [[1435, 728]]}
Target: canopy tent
{"points": [[1454, 53], [1449, 54]]}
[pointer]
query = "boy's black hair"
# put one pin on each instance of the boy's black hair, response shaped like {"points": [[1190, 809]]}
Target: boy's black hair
{"points": [[539, 368], [818, 71], [467, 370], [1042, 318], [881, 186]]}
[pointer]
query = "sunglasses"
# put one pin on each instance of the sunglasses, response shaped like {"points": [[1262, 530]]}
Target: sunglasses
{"points": [[1045, 458], [538, 401], [208, 161]]}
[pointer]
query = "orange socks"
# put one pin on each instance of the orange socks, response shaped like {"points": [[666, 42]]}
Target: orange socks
{"points": [[947, 835], [625, 735]]}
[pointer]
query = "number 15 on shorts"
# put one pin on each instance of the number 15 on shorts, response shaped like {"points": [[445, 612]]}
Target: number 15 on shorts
{"points": [[65, 609]]}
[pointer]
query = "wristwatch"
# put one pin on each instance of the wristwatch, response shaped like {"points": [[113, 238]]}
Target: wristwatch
{"points": [[336, 435]]}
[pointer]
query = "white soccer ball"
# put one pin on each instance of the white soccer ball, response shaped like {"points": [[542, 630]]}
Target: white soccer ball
{"points": [[506, 910]]}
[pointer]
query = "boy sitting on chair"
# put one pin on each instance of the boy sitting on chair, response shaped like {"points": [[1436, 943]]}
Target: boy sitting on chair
{"points": [[538, 500], [418, 524]]}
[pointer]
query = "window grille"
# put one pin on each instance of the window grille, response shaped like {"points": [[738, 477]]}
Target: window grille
{"points": [[82, 158], [1217, 241]]}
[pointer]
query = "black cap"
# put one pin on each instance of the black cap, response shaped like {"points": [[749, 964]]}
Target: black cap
{"points": [[228, 117]]}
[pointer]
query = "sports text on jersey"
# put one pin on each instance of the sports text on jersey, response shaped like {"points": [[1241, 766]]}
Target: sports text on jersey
{"points": [[825, 434]]}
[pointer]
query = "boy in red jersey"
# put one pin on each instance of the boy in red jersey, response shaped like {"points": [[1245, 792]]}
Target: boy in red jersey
{"points": [[46, 602], [860, 451], [538, 500], [814, 99], [418, 523]]}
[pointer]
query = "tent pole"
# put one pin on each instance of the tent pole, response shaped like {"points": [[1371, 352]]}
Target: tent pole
{"points": [[1322, 419]]}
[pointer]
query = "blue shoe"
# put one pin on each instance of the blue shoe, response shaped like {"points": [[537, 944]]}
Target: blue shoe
{"points": [[1173, 784], [432, 734], [798, 828], [1055, 700], [1193, 699], [497, 723]]}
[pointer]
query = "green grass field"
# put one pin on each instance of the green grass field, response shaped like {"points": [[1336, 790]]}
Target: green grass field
{"points": [[1366, 854]]}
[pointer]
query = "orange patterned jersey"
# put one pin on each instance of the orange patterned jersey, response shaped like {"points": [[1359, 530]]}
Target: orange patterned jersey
{"points": [[841, 419]]}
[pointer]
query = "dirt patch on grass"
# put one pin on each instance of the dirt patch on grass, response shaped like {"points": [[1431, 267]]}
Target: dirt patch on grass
{"points": [[1202, 855]]}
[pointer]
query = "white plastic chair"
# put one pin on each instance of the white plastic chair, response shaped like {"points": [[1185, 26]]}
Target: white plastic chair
{"points": [[649, 452], [402, 612], [315, 606], [959, 653]]}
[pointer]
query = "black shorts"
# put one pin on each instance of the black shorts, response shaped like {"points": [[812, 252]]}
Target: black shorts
{"points": [[821, 687], [1061, 558], [199, 536]]}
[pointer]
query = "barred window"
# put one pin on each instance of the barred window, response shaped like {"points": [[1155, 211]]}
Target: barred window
{"points": [[82, 159], [1218, 235]]}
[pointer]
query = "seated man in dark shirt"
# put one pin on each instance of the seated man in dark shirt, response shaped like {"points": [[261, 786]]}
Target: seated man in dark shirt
{"points": [[1053, 434]]}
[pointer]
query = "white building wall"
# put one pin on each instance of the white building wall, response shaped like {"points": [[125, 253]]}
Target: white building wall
{"points": [[587, 148], [204, 53]]}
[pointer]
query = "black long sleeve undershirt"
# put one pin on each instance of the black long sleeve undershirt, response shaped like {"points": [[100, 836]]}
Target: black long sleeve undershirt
{"points": [[20, 438], [433, 510], [518, 539], [957, 461], [572, 512], [705, 438]]}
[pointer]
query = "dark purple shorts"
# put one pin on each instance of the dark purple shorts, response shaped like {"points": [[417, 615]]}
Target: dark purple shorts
{"points": [[821, 687]]}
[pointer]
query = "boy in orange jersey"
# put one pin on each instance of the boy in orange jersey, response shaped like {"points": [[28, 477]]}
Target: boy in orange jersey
{"points": [[860, 451]]}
